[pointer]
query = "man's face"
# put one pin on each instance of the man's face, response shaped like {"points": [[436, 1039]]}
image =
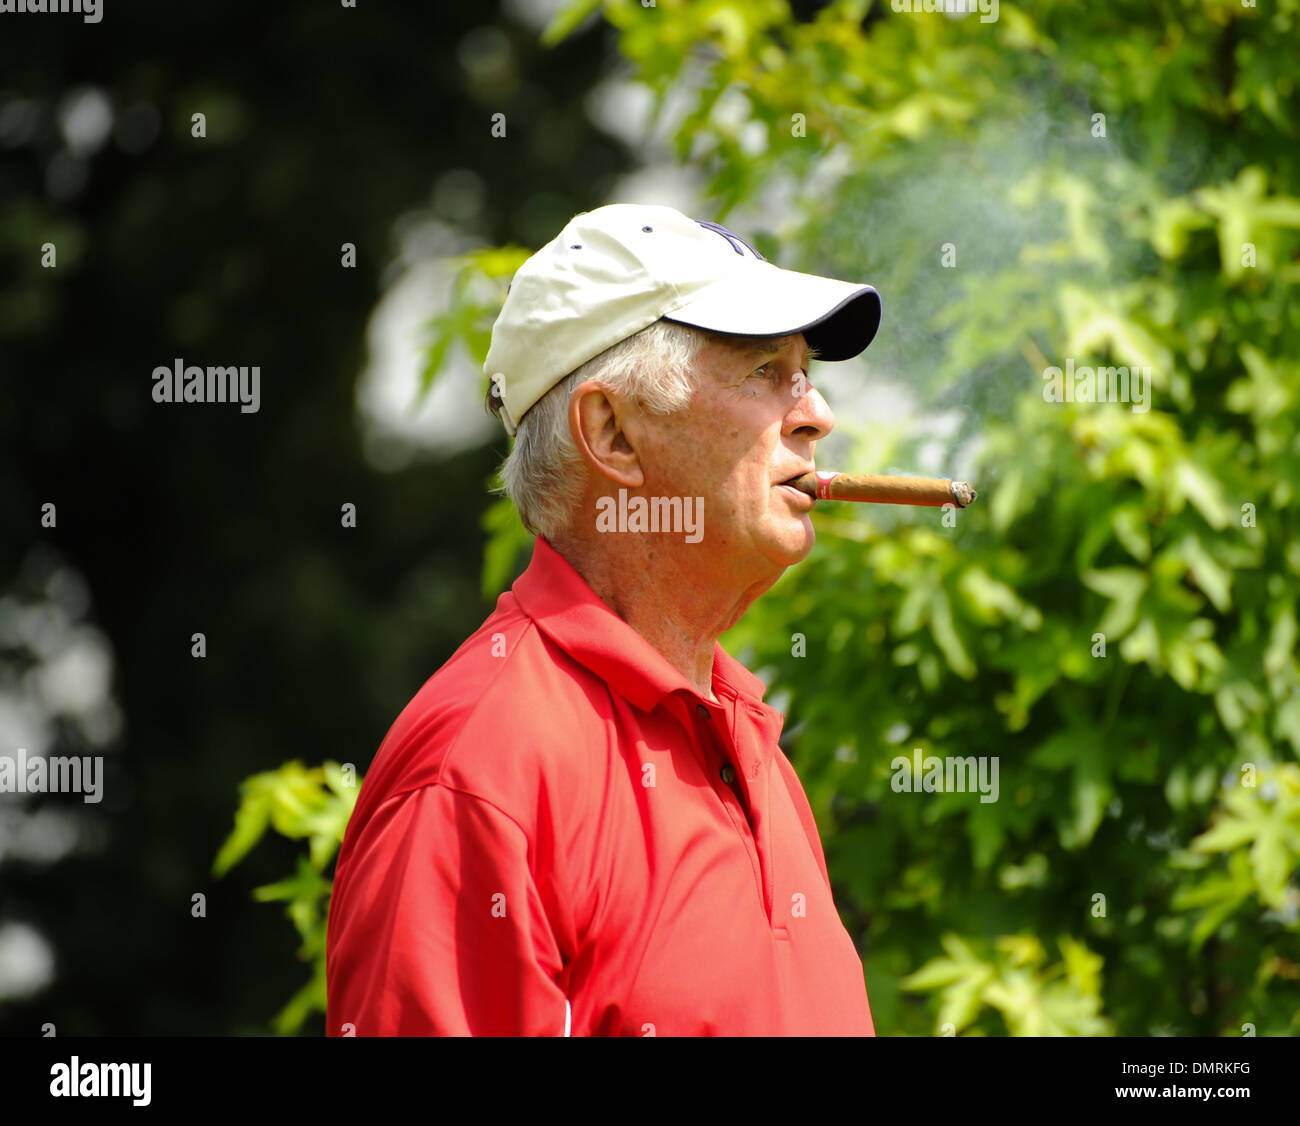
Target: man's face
{"points": [[753, 422]]}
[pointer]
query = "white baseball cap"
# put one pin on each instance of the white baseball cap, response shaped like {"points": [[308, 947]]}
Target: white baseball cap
{"points": [[613, 271]]}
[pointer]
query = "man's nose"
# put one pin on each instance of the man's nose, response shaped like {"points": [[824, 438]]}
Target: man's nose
{"points": [[811, 416]]}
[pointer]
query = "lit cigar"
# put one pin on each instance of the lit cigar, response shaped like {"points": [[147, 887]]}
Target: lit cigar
{"points": [[878, 489]]}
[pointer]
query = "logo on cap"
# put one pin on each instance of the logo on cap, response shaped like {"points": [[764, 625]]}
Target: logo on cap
{"points": [[732, 238]]}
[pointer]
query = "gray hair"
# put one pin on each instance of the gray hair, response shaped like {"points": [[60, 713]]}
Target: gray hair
{"points": [[544, 474]]}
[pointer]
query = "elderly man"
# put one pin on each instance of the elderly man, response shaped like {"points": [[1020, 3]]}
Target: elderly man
{"points": [[583, 822]]}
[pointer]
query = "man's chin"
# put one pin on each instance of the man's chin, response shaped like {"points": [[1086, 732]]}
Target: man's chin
{"points": [[792, 546]]}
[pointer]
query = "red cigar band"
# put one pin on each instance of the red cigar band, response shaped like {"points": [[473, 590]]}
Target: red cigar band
{"points": [[824, 484]]}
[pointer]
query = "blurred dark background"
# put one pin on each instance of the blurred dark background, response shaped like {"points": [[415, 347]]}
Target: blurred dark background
{"points": [[325, 125]]}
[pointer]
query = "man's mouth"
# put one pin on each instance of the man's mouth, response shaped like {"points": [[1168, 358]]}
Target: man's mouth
{"points": [[789, 482], [805, 501]]}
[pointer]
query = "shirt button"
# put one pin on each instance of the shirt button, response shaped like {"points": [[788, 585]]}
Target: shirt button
{"points": [[704, 712], [728, 774]]}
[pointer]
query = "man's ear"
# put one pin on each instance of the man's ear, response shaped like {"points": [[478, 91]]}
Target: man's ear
{"points": [[597, 423]]}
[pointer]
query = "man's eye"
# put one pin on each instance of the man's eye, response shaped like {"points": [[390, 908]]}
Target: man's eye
{"points": [[765, 372]]}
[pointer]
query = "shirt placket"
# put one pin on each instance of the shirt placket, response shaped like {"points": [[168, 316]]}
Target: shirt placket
{"points": [[735, 777]]}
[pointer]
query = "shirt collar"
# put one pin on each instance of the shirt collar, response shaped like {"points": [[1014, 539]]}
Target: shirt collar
{"points": [[572, 615]]}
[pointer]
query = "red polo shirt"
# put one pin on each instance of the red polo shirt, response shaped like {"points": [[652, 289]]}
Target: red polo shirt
{"points": [[559, 816]]}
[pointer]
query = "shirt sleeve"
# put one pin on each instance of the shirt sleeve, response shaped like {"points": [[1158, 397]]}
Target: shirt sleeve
{"points": [[436, 927]]}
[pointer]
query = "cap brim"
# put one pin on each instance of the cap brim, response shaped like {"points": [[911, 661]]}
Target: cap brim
{"points": [[837, 318]]}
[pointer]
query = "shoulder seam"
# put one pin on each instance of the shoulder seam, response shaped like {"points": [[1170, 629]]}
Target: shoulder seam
{"points": [[456, 790]]}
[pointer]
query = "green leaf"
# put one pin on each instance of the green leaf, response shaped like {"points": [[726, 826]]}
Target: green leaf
{"points": [[567, 20], [251, 821], [1282, 640], [936, 973], [1204, 492], [1229, 833], [1129, 522], [961, 1001], [945, 635], [508, 540], [312, 997], [1124, 586]]}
